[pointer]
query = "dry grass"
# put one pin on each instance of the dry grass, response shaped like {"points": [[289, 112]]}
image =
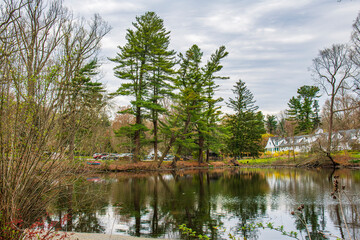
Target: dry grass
{"points": [[150, 166]]}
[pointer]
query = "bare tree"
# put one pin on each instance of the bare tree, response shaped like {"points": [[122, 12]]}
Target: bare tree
{"points": [[85, 97], [355, 50], [332, 70], [346, 111], [34, 87]]}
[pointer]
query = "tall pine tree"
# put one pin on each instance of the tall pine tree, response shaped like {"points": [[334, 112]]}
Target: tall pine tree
{"points": [[246, 125], [193, 122], [145, 63]]}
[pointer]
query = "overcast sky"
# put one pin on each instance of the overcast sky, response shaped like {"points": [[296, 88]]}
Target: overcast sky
{"points": [[271, 43]]}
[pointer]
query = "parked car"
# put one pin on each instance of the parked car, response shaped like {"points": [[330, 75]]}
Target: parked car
{"points": [[149, 157], [101, 155], [111, 156], [126, 155], [169, 157]]}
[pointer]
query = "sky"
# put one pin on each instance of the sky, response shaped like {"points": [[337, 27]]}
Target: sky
{"points": [[271, 43]]}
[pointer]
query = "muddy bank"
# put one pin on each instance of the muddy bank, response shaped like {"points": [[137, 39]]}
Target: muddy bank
{"points": [[120, 166]]}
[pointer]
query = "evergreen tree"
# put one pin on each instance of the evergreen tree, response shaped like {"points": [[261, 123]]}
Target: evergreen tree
{"points": [[304, 109], [146, 64], [193, 124], [162, 63], [190, 99], [271, 123], [84, 100], [246, 125], [207, 126]]}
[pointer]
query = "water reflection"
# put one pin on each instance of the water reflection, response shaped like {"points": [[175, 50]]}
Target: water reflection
{"points": [[154, 204]]}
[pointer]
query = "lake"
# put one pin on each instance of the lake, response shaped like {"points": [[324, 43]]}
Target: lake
{"points": [[215, 203]]}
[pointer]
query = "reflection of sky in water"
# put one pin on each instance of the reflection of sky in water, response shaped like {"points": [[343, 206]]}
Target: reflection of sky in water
{"points": [[222, 198]]}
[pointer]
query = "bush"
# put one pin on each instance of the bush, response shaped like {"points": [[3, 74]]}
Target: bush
{"points": [[355, 146], [9, 230], [268, 154]]}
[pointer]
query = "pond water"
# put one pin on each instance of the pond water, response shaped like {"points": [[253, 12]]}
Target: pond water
{"points": [[213, 203]]}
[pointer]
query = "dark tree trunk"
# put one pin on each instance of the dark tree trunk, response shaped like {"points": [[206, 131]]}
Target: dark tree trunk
{"points": [[201, 148], [172, 140], [167, 149], [330, 130], [136, 156], [155, 140]]}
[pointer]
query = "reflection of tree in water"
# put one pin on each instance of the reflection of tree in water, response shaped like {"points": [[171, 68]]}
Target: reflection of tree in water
{"points": [[312, 188], [132, 199], [244, 194], [314, 217], [351, 212], [139, 200], [80, 203], [191, 204], [154, 205], [346, 209], [159, 204]]}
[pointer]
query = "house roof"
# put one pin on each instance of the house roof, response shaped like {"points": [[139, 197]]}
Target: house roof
{"points": [[348, 135]]}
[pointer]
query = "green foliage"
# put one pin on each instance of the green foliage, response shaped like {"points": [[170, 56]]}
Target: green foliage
{"points": [[244, 99], [245, 126], [195, 114], [304, 109], [84, 102], [146, 64], [271, 123], [191, 234], [129, 132], [8, 229]]}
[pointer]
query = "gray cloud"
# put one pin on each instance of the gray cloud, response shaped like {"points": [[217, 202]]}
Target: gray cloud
{"points": [[271, 43]]}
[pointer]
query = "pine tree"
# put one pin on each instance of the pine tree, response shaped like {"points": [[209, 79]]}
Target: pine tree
{"points": [[84, 100], [303, 109], [271, 123], [190, 100], [161, 78], [193, 122], [246, 125], [146, 64], [208, 128]]}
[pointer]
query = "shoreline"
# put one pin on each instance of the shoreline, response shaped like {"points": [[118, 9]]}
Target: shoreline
{"points": [[102, 236], [151, 166]]}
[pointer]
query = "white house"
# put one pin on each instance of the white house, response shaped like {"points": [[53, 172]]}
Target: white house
{"points": [[344, 140]]}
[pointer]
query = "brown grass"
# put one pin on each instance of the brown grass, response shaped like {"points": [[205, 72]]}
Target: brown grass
{"points": [[150, 166]]}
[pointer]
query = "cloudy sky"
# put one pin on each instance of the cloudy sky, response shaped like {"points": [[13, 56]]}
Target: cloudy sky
{"points": [[271, 43]]}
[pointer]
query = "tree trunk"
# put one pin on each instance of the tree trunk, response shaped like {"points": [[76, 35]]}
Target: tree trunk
{"points": [[330, 130], [167, 149], [207, 155], [177, 157], [172, 140], [293, 147], [71, 146], [201, 148], [72, 135], [155, 140], [136, 156]]}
